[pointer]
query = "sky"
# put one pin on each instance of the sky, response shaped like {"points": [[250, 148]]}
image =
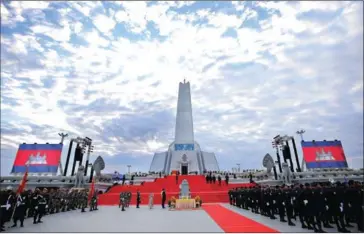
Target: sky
{"points": [[110, 71]]}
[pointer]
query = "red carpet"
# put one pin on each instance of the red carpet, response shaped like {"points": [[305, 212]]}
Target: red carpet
{"points": [[209, 193], [230, 221]]}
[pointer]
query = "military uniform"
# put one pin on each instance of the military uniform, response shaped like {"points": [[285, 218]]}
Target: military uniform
{"points": [[20, 209], [123, 200], [138, 199], [83, 200], [93, 203], [40, 204]]}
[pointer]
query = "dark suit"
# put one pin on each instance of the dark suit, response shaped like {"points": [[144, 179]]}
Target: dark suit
{"points": [[138, 200], [164, 198]]}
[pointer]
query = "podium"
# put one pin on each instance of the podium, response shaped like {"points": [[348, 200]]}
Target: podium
{"points": [[185, 203]]}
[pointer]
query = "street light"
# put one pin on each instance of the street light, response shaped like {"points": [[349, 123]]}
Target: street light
{"points": [[62, 135], [129, 166], [301, 132]]}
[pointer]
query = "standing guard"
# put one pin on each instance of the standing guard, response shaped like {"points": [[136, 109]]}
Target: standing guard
{"points": [[121, 197], [138, 199], [20, 209], [40, 204], [93, 203], [83, 200], [289, 203], [123, 201]]}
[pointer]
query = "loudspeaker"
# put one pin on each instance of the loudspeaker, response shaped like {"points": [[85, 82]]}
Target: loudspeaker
{"points": [[78, 154], [286, 153]]}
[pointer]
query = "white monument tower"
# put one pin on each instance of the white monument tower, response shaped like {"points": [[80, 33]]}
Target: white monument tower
{"points": [[184, 153]]}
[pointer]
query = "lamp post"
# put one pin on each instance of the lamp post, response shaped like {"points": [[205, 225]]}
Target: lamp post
{"points": [[62, 135], [301, 132]]}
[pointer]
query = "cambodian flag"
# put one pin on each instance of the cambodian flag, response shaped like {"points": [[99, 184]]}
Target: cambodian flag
{"points": [[324, 154], [41, 158]]}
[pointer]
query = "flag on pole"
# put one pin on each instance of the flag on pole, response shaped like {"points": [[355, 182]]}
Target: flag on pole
{"points": [[23, 182], [92, 190]]}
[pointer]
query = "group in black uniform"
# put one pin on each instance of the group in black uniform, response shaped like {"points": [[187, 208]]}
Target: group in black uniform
{"points": [[211, 178], [37, 204], [315, 205]]}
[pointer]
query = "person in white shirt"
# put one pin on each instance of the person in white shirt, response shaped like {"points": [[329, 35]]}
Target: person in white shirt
{"points": [[151, 198]]}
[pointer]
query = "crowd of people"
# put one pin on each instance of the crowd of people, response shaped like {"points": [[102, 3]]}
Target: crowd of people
{"points": [[316, 205], [38, 203]]}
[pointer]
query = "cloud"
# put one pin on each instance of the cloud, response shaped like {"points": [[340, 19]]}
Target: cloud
{"points": [[111, 72]]}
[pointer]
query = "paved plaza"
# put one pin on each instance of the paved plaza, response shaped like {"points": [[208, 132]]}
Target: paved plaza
{"points": [[111, 219]]}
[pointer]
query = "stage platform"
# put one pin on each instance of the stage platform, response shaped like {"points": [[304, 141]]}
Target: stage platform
{"points": [[212, 218]]}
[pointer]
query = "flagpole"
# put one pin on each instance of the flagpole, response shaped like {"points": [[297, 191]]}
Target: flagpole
{"points": [[26, 171]]}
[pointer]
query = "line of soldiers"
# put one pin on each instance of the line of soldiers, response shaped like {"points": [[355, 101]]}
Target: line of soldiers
{"points": [[39, 203], [124, 200], [316, 205], [211, 178]]}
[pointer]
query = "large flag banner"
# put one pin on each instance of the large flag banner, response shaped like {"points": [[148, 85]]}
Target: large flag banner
{"points": [[41, 158], [324, 154]]}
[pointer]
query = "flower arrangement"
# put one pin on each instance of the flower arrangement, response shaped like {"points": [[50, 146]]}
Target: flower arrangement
{"points": [[198, 201], [172, 202]]}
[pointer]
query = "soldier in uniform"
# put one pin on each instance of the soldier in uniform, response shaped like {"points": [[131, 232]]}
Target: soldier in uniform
{"points": [[281, 203], [123, 201], [83, 200], [230, 193], [46, 196], [51, 205], [359, 209], [7, 201], [40, 204], [121, 197], [289, 203], [57, 201], [20, 209], [63, 201], [337, 204], [93, 205]]}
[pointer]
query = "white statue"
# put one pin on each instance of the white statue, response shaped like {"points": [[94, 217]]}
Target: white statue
{"points": [[286, 174], [184, 189], [79, 177]]}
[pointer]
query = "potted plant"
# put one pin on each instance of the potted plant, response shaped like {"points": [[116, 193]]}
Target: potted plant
{"points": [[198, 201], [172, 202]]}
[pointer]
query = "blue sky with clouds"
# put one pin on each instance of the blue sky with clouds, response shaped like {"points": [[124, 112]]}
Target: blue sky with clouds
{"points": [[110, 71]]}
